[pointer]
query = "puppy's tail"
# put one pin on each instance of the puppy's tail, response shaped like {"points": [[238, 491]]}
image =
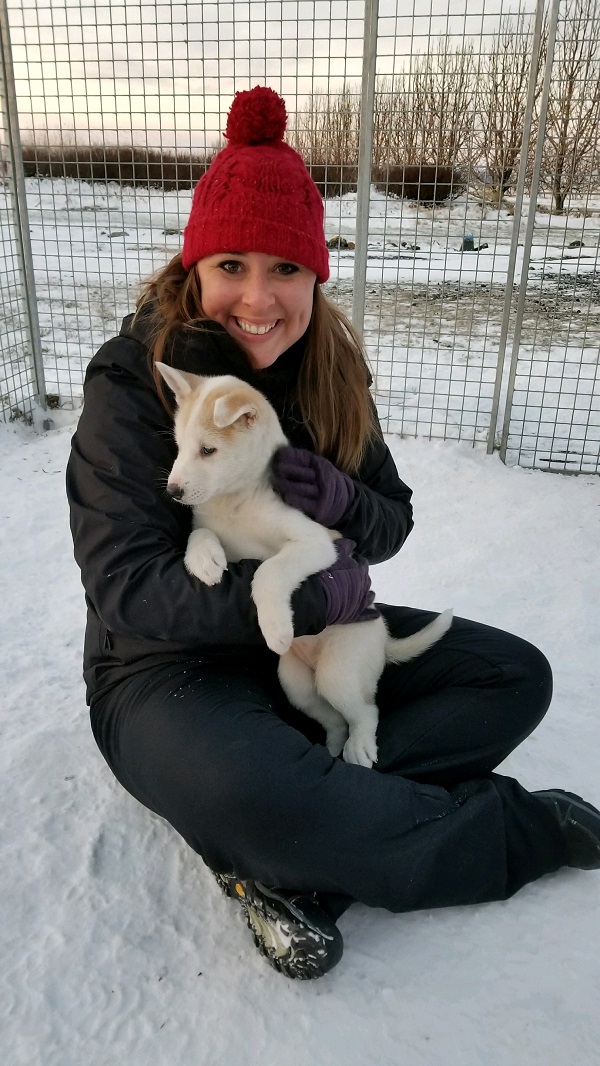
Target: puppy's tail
{"points": [[402, 649]]}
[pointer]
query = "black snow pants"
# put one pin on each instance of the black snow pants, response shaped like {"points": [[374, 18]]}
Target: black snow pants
{"points": [[219, 752]]}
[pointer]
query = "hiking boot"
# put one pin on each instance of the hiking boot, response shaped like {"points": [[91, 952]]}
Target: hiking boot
{"points": [[580, 824], [289, 929]]}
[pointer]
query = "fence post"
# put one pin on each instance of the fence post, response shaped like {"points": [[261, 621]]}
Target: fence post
{"points": [[514, 242], [15, 163], [365, 152], [535, 183]]}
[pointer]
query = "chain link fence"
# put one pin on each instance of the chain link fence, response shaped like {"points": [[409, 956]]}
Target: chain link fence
{"points": [[456, 147]]}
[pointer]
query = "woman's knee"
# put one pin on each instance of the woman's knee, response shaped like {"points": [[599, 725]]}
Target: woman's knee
{"points": [[518, 682], [488, 658], [528, 674]]}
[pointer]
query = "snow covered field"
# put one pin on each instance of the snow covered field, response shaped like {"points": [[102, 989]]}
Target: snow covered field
{"points": [[433, 312], [116, 943]]}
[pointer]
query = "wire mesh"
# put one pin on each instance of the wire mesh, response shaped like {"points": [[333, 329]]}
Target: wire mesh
{"points": [[121, 105], [444, 162], [553, 415]]}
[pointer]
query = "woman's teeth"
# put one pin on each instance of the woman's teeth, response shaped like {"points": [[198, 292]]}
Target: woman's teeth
{"points": [[248, 327]]}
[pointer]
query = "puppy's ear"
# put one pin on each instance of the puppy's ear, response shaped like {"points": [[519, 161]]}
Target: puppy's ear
{"points": [[235, 406], [179, 381]]}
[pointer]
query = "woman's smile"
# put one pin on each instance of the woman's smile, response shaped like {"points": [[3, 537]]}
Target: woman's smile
{"points": [[251, 327]]}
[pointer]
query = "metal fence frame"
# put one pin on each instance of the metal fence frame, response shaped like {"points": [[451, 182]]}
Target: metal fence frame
{"points": [[19, 329], [503, 415]]}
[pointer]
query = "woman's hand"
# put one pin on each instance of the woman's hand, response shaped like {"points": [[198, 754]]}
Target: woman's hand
{"points": [[312, 484], [347, 585]]}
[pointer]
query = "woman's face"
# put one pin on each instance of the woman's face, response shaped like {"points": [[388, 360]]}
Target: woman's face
{"points": [[264, 302]]}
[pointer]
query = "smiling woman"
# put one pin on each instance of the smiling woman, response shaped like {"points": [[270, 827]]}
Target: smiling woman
{"points": [[185, 698]]}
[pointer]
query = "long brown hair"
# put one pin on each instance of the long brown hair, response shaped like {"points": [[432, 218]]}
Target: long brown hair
{"points": [[333, 395]]}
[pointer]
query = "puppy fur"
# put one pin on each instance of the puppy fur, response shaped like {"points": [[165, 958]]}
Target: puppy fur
{"points": [[226, 433]]}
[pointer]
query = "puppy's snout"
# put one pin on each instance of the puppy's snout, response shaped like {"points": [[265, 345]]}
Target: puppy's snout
{"points": [[174, 490]]}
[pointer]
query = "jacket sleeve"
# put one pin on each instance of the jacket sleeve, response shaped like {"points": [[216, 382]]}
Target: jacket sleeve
{"points": [[130, 537], [379, 518]]}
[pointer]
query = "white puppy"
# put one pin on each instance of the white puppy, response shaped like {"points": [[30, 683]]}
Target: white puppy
{"points": [[227, 433]]}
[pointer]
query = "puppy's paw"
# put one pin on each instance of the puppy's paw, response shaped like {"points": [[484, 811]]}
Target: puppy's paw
{"points": [[206, 568], [361, 748], [276, 626], [205, 558], [278, 637]]}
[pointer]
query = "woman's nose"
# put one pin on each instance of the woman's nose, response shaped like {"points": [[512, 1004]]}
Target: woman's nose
{"points": [[258, 292]]}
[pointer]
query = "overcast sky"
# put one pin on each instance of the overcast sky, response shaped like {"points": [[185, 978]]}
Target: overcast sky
{"points": [[132, 65]]}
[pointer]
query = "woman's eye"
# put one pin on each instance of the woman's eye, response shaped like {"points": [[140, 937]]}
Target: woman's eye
{"points": [[207, 451], [287, 268], [230, 266]]}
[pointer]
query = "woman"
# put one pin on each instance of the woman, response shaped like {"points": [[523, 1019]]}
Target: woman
{"points": [[185, 703]]}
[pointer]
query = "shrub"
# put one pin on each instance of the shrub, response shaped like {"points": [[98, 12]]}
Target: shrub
{"points": [[125, 164], [333, 179], [425, 182]]}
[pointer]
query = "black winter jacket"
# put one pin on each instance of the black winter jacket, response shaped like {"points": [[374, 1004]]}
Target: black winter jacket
{"points": [[130, 537]]}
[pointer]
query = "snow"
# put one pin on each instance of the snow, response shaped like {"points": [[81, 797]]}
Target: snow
{"points": [[434, 314], [438, 234], [117, 945]]}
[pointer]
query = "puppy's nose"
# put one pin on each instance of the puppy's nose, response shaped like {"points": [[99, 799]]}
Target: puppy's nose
{"points": [[174, 490]]}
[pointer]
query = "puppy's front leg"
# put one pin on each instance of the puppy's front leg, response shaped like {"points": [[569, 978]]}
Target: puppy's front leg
{"points": [[278, 577], [204, 557]]}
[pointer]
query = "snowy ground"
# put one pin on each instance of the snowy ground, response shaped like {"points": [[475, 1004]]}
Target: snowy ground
{"points": [[116, 943], [433, 312]]}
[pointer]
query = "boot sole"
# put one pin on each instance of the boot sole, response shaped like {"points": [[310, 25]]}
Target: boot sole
{"points": [[284, 934]]}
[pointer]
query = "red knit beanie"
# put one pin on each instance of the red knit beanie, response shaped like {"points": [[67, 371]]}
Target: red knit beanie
{"points": [[257, 195]]}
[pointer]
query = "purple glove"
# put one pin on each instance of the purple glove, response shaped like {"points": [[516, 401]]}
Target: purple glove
{"points": [[347, 585], [312, 484]]}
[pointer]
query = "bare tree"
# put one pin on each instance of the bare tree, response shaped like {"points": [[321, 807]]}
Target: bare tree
{"points": [[425, 115], [400, 119], [573, 122], [327, 127], [502, 90], [444, 88], [388, 99]]}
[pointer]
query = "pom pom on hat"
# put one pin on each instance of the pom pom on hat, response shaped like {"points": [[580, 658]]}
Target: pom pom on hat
{"points": [[256, 117], [257, 195]]}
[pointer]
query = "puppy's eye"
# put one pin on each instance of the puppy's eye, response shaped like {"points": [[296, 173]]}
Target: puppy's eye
{"points": [[207, 451]]}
